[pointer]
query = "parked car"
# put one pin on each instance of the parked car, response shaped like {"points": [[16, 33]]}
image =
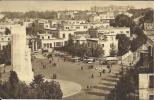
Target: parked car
{"points": [[108, 60], [88, 60], [75, 59], [111, 60]]}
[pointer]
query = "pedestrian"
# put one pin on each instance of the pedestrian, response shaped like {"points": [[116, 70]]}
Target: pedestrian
{"points": [[100, 73], [87, 86], [103, 71], [110, 70], [108, 66], [0, 75], [44, 66], [81, 68], [92, 76], [54, 64]]}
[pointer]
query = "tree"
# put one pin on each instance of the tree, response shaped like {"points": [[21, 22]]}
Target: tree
{"points": [[5, 56], [148, 16], [139, 41], [122, 20], [15, 89], [13, 85], [49, 90], [38, 80], [98, 51], [123, 44]]}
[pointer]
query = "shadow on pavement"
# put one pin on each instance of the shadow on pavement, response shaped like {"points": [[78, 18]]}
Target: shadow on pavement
{"points": [[97, 93]]}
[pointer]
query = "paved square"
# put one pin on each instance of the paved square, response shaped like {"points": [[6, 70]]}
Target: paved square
{"points": [[71, 71]]}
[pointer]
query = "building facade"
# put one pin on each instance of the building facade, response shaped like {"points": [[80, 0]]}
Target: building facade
{"points": [[146, 86]]}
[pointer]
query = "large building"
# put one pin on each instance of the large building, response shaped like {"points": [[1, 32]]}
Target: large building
{"points": [[148, 26], [106, 43], [4, 40], [146, 86], [101, 17], [5, 35], [48, 42]]}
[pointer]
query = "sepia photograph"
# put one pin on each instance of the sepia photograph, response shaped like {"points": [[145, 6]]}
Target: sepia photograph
{"points": [[77, 50]]}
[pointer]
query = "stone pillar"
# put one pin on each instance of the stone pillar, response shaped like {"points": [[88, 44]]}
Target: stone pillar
{"points": [[20, 54]]}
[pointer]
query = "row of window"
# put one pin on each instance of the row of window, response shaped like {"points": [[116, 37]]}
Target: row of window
{"points": [[92, 44], [85, 27], [48, 45], [76, 22], [2, 39], [56, 44], [43, 37]]}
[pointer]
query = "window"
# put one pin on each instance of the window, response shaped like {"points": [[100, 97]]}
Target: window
{"points": [[48, 37], [77, 27], [85, 27], [42, 37], [45, 45], [54, 44], [67, 27], [63, 35], [151, 97], [3, 47], [151, 81], [102, 45], [58, 43], [50, 45], [111, 45], [127, 31], [2, 39], [8, 38]]}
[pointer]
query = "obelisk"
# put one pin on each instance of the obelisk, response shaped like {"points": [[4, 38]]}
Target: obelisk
{"points": [[20, 53]]}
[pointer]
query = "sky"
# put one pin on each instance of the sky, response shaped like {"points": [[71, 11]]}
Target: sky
{"points": [[37, 5]]}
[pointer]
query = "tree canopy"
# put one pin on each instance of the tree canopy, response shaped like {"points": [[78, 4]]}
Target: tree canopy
{"points": [[15, 89], [122, 20], [31, 14], [82, 50], [139, 40], [5, 55], [123, 44]]}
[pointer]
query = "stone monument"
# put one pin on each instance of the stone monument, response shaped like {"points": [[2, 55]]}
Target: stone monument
{"points": [[21, 54]]}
